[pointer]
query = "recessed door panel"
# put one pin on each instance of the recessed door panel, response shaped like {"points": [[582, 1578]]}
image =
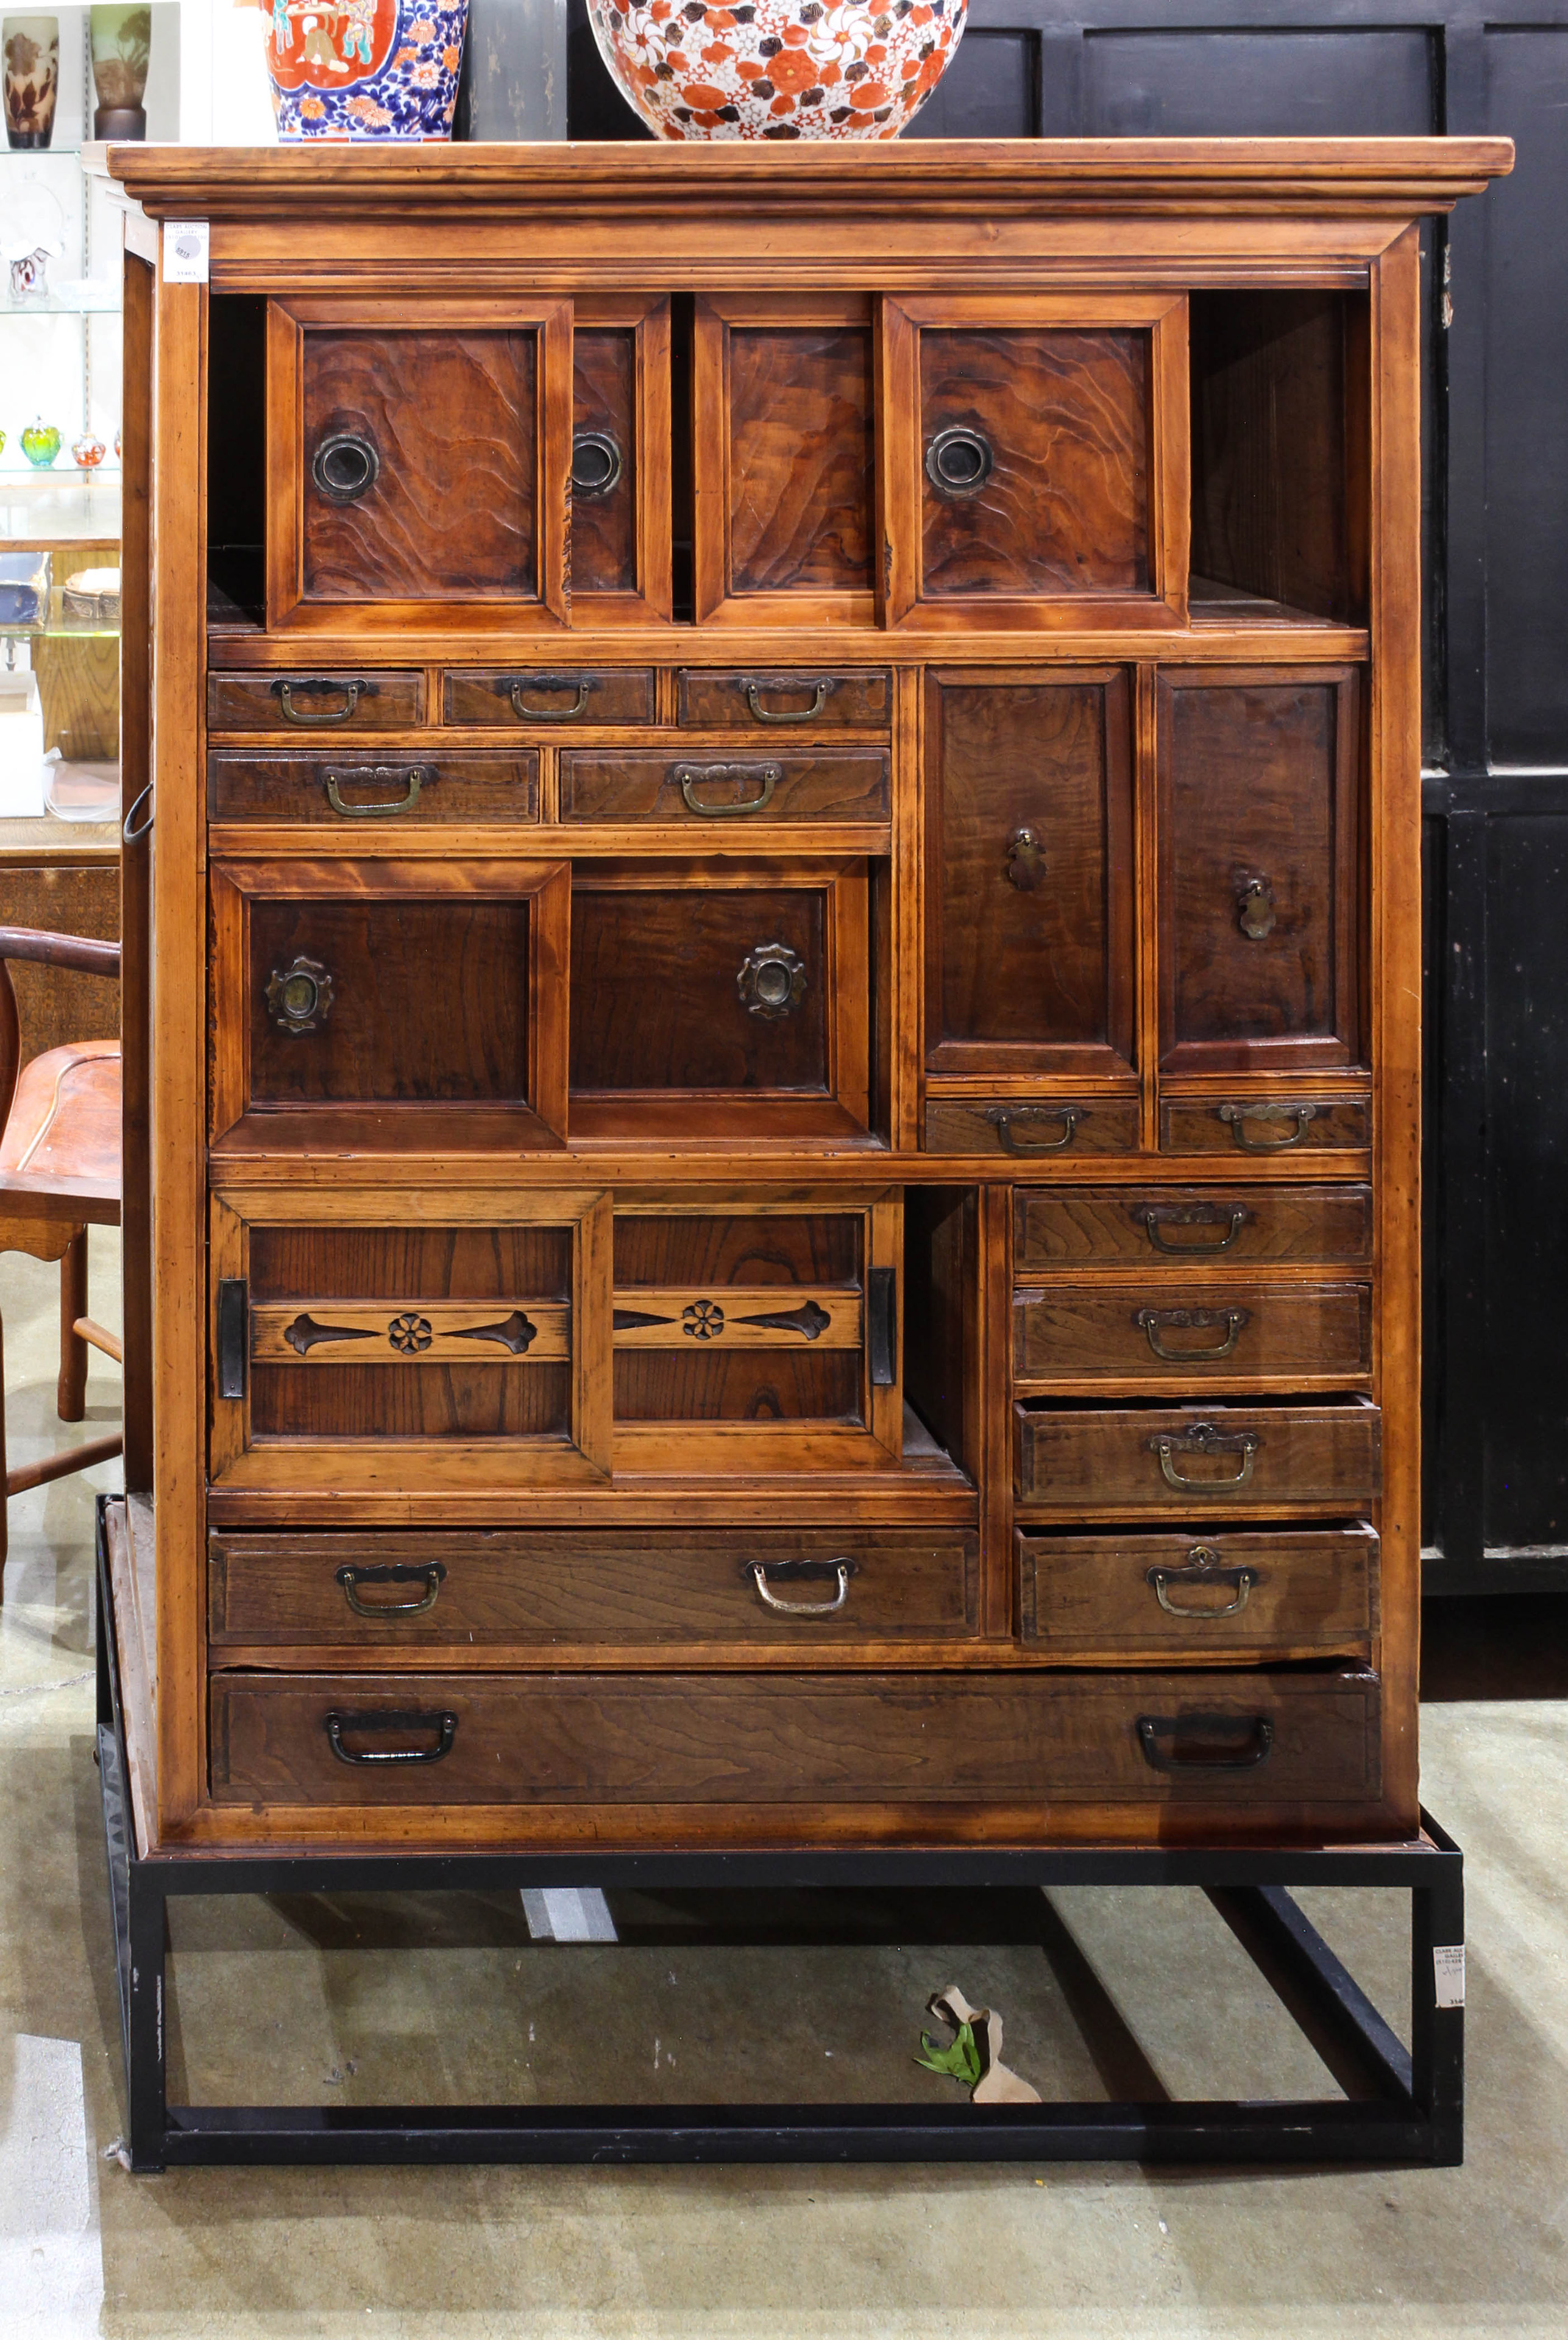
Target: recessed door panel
{"points": [[620, 458]]}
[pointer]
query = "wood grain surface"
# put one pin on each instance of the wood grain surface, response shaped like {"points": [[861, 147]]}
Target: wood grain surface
{"points": [[1258, 1593], [1302, 1458], [800, 459]]}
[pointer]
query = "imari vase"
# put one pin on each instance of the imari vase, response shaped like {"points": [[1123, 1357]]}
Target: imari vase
{"points": [[365, 68]]}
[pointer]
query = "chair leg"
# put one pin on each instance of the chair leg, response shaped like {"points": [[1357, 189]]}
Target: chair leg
{"points": [[72, 1397]]}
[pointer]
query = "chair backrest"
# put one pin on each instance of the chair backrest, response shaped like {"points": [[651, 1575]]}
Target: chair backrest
{"points": [[80, 952]]}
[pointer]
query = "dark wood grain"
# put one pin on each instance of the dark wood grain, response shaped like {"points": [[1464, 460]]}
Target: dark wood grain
{"points": [[744, 1247], [554, 687], [1030, 977], [604, 399], [1065, 508], [430, 1002], [825, 785], [1174, 1226], [392, 1401], [453, 786], [759, 1385], [1087, 1334], [1198, 1125], [390, 700], [1093, 1462], [452, 415], [591, 1588], [290, 1261], [1019, 1126], [653, 990], [798, 1739], [1310, 1589], [800, 459], [723, 700]]}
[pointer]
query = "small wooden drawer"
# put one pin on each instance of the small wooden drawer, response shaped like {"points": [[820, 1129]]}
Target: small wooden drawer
{"points": [[1308, 1740], [833, 785], [1027, 1127], [1118, 1227], [1283, 1592], [1233, 1331], [1194, 1460], [549, 694], [499, 785], [549, 1590], [828, 700], [1248, 1124], [360, 700]]}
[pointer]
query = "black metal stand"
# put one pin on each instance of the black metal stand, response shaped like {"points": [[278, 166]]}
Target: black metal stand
{"points": [[1397, 2107]]}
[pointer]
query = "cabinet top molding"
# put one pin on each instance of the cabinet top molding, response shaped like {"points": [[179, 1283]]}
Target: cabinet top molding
{"points": [[933, 178]]}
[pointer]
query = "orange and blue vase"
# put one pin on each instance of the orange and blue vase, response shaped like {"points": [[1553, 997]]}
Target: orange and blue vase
{"points": [[364, 68]]}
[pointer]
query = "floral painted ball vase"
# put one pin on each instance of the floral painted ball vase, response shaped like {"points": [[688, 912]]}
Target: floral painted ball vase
{"points": [[364, 68], [778, 68]]}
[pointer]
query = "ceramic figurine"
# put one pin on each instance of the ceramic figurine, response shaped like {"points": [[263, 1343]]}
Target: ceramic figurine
{"points": [[40, 443], [778, 68], [31, 45], [30, 278], [122, 42], [87, 451], [365, 68]]}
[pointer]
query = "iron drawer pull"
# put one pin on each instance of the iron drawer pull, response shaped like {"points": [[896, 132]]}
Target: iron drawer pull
{"points": [[1238, 1115], [1002, 1121], [414, 779], [431, 1574], [443, 1725], [840, 1568], [286, 685], [345, 467], [1203, 1567], [754, 684], [1249, 1753], [959, 462], [128, 829], [692, 776], [1203, 1438], [1192, 1320], [596, 464], [1255, 911], [1153, 1216], [515, 685]]}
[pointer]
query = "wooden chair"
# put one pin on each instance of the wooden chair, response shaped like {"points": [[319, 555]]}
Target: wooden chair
{"points": [[59, 1175]]}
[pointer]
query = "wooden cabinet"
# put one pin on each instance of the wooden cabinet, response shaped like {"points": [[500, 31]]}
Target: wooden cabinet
{"points": [[785, 1093]]}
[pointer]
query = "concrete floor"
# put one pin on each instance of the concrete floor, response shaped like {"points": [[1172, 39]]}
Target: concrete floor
{"points": [[314, 2001]]}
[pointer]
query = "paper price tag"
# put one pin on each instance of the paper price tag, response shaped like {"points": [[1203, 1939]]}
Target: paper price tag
{"points": [[185, 252], [1448, 1968]]}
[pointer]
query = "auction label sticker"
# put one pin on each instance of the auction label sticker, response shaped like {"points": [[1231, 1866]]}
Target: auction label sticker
{"points": [[1448, 1969], [186, 245]]}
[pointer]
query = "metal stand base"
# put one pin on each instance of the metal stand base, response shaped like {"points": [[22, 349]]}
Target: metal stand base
{"points": [[1397, 2107]]}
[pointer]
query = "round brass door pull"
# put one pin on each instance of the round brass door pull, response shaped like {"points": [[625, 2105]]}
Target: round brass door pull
{"points": [[300, 996], [771, 981]]}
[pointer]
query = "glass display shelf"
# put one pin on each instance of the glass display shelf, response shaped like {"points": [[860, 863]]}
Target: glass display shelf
{"points": [[45, 508], [62, 625], [66, 300]]}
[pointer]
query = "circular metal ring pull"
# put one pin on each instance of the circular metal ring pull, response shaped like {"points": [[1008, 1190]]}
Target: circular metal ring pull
{"points": [[596, 463], [959, 462], [345, 467]]}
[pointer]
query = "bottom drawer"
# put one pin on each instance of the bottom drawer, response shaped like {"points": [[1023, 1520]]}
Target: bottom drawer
{"points": [[1282, 1592], [1308, 1740]]}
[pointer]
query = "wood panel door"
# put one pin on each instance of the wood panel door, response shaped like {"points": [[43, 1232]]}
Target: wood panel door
{"points": [[783, 459], [1260, 892], [417, 470], [620, 483], [1029, 875], [387, 1341], [1036, 459]]}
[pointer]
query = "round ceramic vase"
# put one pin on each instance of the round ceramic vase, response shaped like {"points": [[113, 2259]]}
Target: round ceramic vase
{"points": [[364, 68], [778, 68]]}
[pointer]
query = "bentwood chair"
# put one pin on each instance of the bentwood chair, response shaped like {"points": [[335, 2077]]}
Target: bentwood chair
{"points": [[59, 1175]]}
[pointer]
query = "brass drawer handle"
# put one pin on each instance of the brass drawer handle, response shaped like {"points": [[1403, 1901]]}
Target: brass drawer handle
{"points": [[1026, 861], [300, 996], [959, 462], [515, 685], [353, 692], [443, 1725], [1203, 1438], [412, 779], [1238, 1115], [431, 1574], [841, 1569], [755, 685], [1002, 1118], [345, 467], [1255, 911], [1201, 1571], [1150, 1321], [693, 777], [596, 464], [771, 981], [1154, 1218], [1254, 1735]]}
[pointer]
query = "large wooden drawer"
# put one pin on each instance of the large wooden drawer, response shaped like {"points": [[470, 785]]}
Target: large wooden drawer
{"points": [[823, 786], [1122, 1226], [610, 1589], [1237, 1334], [409, 790], [826, 699], [1219, 1739], [363, 699], [1192, 1460], [1279, 1593]]}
